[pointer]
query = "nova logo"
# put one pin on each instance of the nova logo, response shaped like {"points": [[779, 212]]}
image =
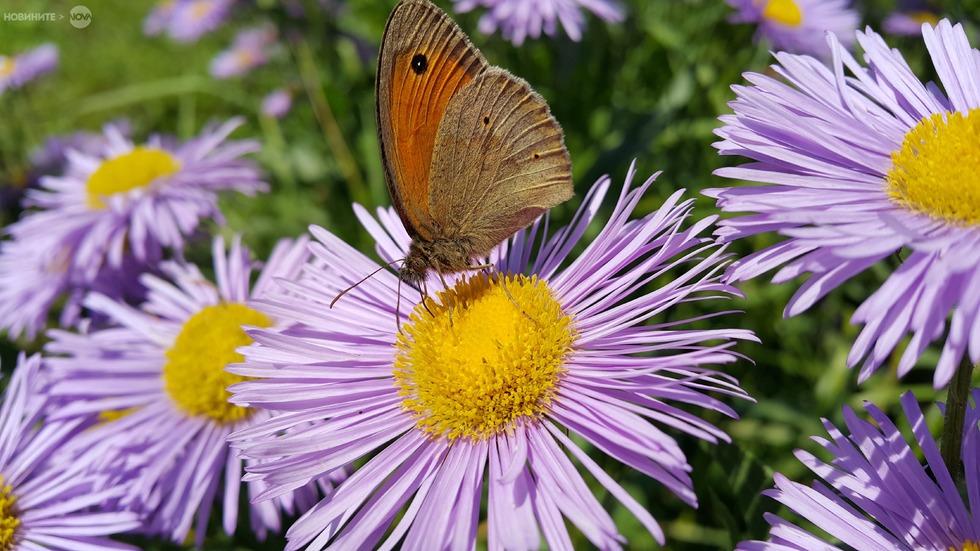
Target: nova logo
{"points": [[80, 17]]}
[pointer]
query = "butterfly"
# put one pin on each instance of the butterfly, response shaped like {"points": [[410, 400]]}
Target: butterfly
{"points": [[471, 154]]}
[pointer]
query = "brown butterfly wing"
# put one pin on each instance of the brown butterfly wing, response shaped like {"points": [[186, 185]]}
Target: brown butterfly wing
{"points": [[499, 161], [425, 59]]}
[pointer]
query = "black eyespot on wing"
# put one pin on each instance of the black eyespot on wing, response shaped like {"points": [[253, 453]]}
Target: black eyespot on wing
{"points": [[419, 64], [536, 155], [486, 120]]}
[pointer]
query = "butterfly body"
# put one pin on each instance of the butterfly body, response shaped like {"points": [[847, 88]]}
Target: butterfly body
{"points": [[442, 254], [471, 153]]}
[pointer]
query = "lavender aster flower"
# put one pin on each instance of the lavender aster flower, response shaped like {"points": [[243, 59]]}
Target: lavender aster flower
{"points": [[48, 504], [116, 210], [159, 17], [909, 23], [192, 19], [519, 19], [908, 17], [161, 366], [859, 169], [490, 383], [277, 103], [50, 159], [16, 71], [876, 496], [798, 26], [251, 48], [35, 273]]}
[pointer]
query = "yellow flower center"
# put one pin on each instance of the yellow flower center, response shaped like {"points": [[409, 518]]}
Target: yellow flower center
{"points": [[937, 170], [195, 373], [786, 12], [488, 355], [8, 517], [129, 171], [6, 66], [967, 546], [200, 9], [244, 58], [924, 17]]}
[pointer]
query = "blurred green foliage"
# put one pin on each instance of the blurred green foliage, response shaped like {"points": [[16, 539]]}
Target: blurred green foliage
{"points": [[648, 89]]}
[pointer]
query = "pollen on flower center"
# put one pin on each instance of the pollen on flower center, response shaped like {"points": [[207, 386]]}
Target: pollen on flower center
{"points": [[488, 355], [967, 546], [786, 12], [937, 169], [6, 66], [8, 517], [133, 170], [195, 375]]}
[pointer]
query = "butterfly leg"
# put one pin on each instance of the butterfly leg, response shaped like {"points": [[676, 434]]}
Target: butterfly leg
{"points": [[424, 294], [449, 306], [487, 267], [503, 283]]}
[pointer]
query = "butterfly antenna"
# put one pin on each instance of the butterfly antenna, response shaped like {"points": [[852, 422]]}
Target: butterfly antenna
{"points": [[365, 278], [398, 306]]}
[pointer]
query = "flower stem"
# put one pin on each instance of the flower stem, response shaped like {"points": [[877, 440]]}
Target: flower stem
{"points": [[328, 123], [956, 400]]}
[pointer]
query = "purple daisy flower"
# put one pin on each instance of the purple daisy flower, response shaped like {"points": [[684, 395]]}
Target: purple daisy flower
{"points": [[32, 277], [45, 503], [862, 168], [252, 48], [18, 70], [908, 17], [909, 23], [115, 212], [50, 159], [159, 17], [277, 103], [799, 26], [519, 19], [161, 368], [491, 384], [875, 495], [37, 272], [191, 19]]}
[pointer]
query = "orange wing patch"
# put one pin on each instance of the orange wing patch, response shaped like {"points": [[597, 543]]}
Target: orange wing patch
{"points": [[422, 83]]}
